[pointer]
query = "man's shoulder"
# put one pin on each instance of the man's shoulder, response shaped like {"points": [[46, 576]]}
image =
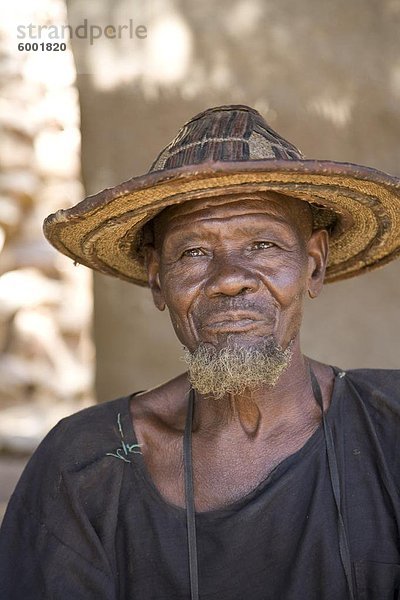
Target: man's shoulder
{"points": [[85, 437], [94, 414], [72, 481], [386, 380], [373, 415], [77, 458], [78, 441], [379, 388], [89, 428]]}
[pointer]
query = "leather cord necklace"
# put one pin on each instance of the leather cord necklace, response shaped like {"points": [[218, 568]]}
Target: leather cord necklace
{"points": [[189, 494]]}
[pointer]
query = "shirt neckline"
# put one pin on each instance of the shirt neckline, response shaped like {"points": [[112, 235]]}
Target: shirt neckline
{"points": [[308, 447]]}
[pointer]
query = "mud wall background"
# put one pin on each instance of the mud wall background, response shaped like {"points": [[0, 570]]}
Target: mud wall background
{"points": [[46, 350]]}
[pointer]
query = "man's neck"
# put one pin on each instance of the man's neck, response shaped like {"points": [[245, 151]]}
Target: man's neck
{"points": [[261, 411]]}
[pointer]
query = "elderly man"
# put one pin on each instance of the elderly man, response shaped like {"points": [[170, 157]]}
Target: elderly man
{"points": [[259, 473]]}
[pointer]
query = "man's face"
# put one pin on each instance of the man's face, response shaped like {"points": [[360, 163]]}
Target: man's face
{"points": [[236, 268]]}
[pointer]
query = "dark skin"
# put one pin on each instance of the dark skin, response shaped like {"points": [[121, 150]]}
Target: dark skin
{"points": [[233, 267]]}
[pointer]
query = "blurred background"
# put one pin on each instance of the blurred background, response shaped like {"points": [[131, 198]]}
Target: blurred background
{"points": [[75, 120]]}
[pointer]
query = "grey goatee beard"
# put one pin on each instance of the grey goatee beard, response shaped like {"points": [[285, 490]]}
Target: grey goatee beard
{"points": [[234, 369]]}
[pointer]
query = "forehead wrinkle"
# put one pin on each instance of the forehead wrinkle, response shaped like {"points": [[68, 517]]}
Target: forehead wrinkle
{"points": [[196, 229], [274, 208], [217, 219], [249, 205], [182, 219]]}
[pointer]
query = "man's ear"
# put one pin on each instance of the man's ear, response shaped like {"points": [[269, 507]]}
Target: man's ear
{"points": [[318, 250], [152, 261]]}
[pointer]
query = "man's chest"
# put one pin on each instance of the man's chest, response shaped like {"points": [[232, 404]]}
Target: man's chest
{"points": [[222, 473], [263, 547]]}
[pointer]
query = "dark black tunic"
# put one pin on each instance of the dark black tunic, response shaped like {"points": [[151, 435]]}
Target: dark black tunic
{"points": [[86, 521]]}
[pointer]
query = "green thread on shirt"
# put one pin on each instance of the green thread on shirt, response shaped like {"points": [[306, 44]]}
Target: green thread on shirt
{"points": [[120, 426], [126, 449]]}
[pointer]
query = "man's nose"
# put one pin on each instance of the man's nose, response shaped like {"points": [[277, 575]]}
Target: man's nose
{"points": [[230, 278]]}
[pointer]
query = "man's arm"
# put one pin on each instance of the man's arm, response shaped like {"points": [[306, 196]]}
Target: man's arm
{"points": [[48, 545]]}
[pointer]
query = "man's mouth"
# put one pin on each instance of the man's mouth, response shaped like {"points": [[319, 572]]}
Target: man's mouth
{"points": [[234, 322], [225, 326]]}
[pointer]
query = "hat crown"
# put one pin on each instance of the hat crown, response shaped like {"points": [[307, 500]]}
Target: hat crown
{"points": [[225, 133]]}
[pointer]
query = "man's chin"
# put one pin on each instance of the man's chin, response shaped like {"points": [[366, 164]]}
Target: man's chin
{"points": [[236, 340], [236, 366]]}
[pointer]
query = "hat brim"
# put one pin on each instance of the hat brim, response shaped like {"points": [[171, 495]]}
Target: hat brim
{"points": [[102, 231]]}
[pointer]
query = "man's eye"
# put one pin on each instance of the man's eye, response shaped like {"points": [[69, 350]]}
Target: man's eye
{"points": [[262, 245], [193, 252]]}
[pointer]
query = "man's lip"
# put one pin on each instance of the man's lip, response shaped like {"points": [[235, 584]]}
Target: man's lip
{"points": [[233, 321], [232, 317], [232, 325]]}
